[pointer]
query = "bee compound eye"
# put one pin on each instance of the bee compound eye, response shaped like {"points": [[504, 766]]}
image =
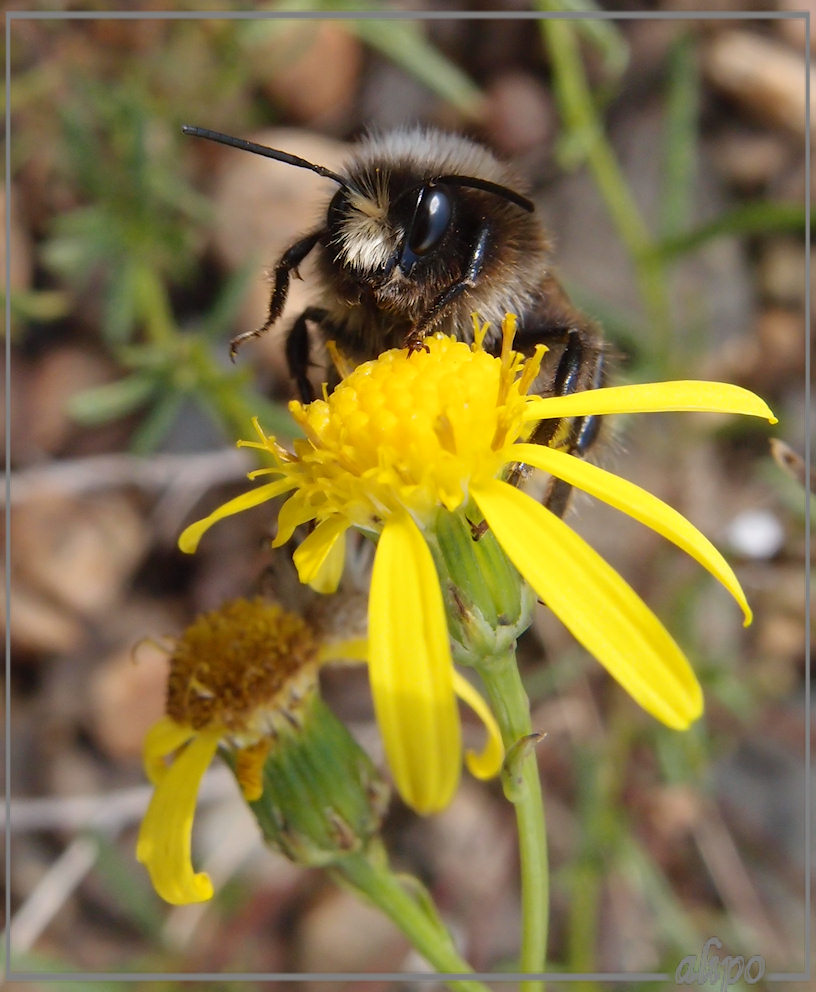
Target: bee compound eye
{"points": [[431, 218]]}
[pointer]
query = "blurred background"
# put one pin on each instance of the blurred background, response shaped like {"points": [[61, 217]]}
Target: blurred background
{"points": [[667, 159]]}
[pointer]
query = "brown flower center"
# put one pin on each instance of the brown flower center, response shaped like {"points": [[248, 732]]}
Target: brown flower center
{"points": [[241, 667]]}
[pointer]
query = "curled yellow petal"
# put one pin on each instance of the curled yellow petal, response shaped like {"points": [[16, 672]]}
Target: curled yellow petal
{"points": [[164, 737], [589, 597], [638, 503], [164, 845], [319, 559], [249, 769], [411, 669], [489, 762], [294, 512], [190, 536], [652, 397]]}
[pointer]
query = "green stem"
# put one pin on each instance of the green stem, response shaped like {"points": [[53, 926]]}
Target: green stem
{"points": [[154, 306], [602, 777], [583, 921], [580, 116], [379, 884], [523, 788]]}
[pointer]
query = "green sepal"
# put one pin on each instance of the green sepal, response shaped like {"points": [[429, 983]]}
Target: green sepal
{"points": [[488, 603], [323, 798]]}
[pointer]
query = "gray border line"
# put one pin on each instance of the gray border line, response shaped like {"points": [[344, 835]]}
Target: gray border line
{"points": [[367, 976], [7, 514], [808, 825], [406, 15], [14, 15]]}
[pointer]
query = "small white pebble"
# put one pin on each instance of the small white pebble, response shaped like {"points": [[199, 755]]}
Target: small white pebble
{"points": [[756, 534]]}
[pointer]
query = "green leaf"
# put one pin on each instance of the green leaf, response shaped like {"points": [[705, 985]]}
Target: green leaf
{"points": [[128, 884], [232, 410], [221, 317], [40, 305], [157, 423], [120, 306], [404, 43], [115, 399], [762, 217]]}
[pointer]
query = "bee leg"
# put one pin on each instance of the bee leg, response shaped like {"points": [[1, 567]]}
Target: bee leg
{"points": [[583, 431], [289, 262], [297, 350], [414, 340], [582, 350]]}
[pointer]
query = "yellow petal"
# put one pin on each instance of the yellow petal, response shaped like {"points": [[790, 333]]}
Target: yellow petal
{"points": [[638, 503], [164, 737], [294, 512], [352, 649], [489, 762], [165, 836], [411, 669], [190, 536], [652, 397], [319, 559], [589, 597]]}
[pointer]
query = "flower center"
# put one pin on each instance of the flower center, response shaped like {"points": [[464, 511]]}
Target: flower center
{"points": [[411, 430], [245, 668]]}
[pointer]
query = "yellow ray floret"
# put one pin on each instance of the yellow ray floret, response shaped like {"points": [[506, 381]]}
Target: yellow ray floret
{"points": [[637, 503], [165, 836], [411, 670], [679, 396], [589, 597]]}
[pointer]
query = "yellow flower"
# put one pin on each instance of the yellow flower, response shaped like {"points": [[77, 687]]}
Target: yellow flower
{"points": [[408, 437], [240, 678]]}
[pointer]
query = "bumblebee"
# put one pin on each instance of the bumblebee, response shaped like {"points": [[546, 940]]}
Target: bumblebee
{"points": [[424, 229]]}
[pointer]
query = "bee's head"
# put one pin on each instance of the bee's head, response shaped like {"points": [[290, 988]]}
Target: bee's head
{"points": [[404, 218]]}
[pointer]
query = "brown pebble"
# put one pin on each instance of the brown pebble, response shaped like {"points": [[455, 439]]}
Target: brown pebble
{"points": [[519, 114], [764, 76], [38, 625], [61, 373], [339, 933], [313, 68], [78, 552], [19, 244], [750, 160], [126, 696], [781, 273]]}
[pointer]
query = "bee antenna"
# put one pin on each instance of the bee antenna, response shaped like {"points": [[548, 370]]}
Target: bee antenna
{"points": [[251, 146], [488, 187]]}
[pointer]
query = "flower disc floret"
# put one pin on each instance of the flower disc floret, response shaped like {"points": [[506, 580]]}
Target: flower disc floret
{"points": [[408, 431], [239, 668]]}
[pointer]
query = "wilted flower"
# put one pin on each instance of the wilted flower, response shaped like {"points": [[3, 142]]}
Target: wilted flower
{"points": [[243, 678]]}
